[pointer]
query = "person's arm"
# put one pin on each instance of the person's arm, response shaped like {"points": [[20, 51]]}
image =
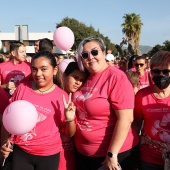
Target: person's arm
{"points": [[70, 110], [138, 114], [123, 123], [137, 123], [5, 142], [4, 86], [9, 86]]}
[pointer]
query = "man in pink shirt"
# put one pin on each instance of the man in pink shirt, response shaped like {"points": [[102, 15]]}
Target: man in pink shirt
{"points": [[15, 71]]}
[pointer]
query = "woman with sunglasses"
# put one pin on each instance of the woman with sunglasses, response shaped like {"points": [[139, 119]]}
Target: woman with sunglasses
{"points": [[104, 112], [144, 75], [152, 106]]}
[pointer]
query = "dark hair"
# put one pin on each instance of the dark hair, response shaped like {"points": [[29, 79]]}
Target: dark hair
{"points": [[48, 55], [72, 66], [51, 57], [140, 57], [161, 58], [2, 58], [14, 45], [133, 77], [130, 64], [146, 56], [45, 44]]}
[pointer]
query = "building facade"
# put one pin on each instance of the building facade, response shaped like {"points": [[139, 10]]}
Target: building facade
{"points": [[21, 34]]}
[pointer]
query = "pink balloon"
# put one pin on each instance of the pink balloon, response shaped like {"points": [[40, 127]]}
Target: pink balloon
{"points": [[63, 65], [20, 117], [63, 38]]}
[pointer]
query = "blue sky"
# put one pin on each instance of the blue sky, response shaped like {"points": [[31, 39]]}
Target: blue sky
{"points": [[105, 15]]}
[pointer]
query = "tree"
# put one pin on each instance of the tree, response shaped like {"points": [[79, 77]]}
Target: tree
{"points": [[167, 45], [155, 49], [132, 29], [82, 31], [158, 47]]}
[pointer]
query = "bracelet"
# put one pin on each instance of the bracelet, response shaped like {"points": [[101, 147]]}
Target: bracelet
{"points": [[69, 120]]}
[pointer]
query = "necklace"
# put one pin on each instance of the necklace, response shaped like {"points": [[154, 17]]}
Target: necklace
{"points": [[42, 92]]}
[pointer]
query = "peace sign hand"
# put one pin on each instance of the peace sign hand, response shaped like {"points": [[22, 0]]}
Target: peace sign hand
{"points": [[70, 108]]}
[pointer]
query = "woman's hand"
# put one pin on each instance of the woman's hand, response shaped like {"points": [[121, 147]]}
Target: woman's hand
{"points": [[112, 163], [6, 149], [70, 109]]}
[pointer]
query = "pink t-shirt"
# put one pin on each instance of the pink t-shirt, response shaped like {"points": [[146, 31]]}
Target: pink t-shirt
{"points": [[19, 72], [156, 115], [144, 81], [116, 66], [67, 154], [45, 138], [4, 102], [132, 69], [95, 103]]}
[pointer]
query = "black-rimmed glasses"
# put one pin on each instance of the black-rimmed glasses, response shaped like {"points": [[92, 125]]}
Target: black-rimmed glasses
{"points": [[140, 64]]}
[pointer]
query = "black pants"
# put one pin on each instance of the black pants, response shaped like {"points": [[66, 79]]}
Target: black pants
{"points": [[127, 160], [148, 166], [24, 161]]}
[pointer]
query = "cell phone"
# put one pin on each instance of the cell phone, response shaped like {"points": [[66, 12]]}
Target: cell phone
{"points": [[12, 80], [11, 91]]}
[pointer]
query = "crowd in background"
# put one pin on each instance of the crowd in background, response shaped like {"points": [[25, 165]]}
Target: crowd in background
{"points": [[116, 118]]}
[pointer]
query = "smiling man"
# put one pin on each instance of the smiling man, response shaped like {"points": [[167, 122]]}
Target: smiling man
{"points": [[17, 70]]}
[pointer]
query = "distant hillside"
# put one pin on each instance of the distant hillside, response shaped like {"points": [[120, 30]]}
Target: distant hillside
{"points": [[145, 49], [142, 48]]}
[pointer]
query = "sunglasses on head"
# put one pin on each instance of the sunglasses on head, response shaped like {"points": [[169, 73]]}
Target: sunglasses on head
{"points": [[86, 54], [158, 72], [140, 64]]}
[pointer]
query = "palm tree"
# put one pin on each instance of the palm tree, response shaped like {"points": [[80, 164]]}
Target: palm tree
{"points": [[132, 29]]}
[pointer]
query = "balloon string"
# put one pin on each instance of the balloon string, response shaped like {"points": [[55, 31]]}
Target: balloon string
{"points": [[5, 158], [3, 162], [8, 145]]}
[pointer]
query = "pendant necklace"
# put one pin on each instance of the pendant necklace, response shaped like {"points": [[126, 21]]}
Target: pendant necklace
{"points": [[42, 92]]}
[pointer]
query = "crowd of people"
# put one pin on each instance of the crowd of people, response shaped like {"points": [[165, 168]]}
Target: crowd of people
{"points": [[98, 112]]}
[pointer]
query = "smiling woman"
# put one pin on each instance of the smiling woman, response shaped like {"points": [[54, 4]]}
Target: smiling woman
{"points": [[43, 72], [104, 112], [42, 144]]}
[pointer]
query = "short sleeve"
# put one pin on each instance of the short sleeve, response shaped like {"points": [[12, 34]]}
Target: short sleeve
{"points": [[122, 93]]}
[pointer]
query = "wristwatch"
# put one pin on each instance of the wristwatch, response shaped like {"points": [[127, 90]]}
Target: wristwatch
{"points": [[111, 155]]}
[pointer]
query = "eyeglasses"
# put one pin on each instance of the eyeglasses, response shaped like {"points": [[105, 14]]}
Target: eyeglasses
{"points": [[86, 54], [158, 72], [140, 64]]}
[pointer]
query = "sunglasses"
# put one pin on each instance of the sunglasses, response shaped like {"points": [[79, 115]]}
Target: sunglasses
{"points": [[86, 54], [158, 72], [140, 64]]}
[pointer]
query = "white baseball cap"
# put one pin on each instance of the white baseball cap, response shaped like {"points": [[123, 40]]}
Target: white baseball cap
{"points": [[110, 57]]}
